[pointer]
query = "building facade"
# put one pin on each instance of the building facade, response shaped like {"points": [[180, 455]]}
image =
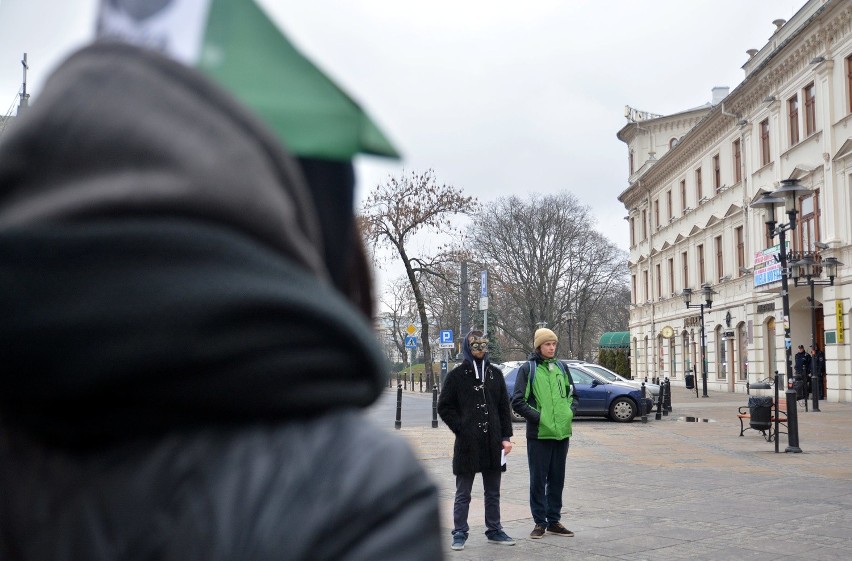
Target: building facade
{"points": [[692, 179]]}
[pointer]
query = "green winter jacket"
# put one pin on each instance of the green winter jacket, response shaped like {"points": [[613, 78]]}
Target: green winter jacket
{"points": [[546, 404]]}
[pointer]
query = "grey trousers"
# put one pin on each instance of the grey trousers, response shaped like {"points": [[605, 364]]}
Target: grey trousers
{"points": [[461, 506]]}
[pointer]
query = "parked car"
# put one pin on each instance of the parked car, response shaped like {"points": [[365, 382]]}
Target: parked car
{"points": [[598, 396], [653, 389]]}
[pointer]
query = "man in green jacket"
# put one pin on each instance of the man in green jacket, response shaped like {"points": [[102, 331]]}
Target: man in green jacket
{"points": [[544, 396]]}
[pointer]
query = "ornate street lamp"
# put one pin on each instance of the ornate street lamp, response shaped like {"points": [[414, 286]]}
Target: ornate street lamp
{"points": [[707, 293], [807, 271], [788, 196]]}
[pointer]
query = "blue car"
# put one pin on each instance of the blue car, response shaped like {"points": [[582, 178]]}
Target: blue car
{"points": [[598, 396]]}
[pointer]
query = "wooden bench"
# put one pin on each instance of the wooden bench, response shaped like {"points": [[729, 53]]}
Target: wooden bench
{"points": [[744, 414]]}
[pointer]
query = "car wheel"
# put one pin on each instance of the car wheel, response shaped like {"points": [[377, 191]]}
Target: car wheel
{"points": [[622, 410]]}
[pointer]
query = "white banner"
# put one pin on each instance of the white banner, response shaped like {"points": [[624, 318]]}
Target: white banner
{"points": [[174, 27]]}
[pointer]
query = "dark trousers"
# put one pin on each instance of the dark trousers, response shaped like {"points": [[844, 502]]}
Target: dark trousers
{"points": [[547, 478], [461, 506]]}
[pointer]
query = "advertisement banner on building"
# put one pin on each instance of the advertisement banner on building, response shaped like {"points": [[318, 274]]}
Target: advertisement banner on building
{"points": [[838, 313], [767, 265]]}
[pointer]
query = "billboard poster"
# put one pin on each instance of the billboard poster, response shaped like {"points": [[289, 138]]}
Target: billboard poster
{"points": [[767, 265]]}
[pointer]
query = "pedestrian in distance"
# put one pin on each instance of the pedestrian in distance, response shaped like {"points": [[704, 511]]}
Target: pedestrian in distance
{"points": [[818, 370], [177, 378], [544, 396], [802, 362], [802, 369], [474, 404]]}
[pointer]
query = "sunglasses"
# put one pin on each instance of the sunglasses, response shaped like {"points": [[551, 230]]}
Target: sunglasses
{"points": [[480, 346]]}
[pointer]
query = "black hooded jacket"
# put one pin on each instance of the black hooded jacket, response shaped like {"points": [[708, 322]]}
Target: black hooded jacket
{"points": [[179, 379], [478, 413]]}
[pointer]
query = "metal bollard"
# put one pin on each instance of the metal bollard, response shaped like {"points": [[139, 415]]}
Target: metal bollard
{"points": [[792, 421], [420, 377], [668, 395], [435, 406], [398, 423], [664, 398], [659, 413], [644, 412]]}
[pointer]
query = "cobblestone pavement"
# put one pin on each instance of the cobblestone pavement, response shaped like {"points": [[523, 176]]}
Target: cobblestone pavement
{"points": [[686, 486]]}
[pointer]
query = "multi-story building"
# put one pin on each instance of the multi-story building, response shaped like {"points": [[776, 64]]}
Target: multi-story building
{"points": [[692, 179]]}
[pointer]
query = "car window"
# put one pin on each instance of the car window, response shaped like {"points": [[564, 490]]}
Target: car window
{"points": [[603, 372], [579, 376]]}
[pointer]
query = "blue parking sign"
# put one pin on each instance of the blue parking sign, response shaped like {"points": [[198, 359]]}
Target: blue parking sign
{"points": [[446, 336]]}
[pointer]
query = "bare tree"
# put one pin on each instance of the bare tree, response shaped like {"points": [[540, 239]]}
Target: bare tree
{"points": [[549, 267], [400, 208], [401, 309]]}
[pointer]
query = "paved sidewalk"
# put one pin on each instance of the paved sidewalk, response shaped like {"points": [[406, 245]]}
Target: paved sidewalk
{"points": [[674, 488]]}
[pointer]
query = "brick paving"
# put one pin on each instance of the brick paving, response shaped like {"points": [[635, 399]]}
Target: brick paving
{"points": [[673, 489]]}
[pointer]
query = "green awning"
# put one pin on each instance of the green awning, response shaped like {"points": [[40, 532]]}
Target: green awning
{"points": [[245, 51], [615, 340]]}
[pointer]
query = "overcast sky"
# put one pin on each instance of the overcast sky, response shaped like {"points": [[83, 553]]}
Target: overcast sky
{"points": [[498, 97]]}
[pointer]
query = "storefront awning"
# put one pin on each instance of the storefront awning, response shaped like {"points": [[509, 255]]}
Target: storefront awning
{"points": [[615, 340]]}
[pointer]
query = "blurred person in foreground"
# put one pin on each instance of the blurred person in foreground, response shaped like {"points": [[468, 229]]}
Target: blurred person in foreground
{"points": [[180, 377], [474, 404], [544, 396]]}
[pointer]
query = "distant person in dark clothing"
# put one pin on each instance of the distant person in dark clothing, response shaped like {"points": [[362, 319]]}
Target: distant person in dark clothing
{"points": [[474, 404], [802, 372], [818, 370], [802, 362]]}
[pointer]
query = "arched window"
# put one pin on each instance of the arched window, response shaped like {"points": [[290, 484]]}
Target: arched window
{"points": [[672, 359], [684, 349], [673, 142], [742, 352], [769, 348], [721, 354], [635, 366]]}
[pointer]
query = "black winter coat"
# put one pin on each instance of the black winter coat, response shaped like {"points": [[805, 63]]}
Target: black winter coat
{"points": [[478, 414]]}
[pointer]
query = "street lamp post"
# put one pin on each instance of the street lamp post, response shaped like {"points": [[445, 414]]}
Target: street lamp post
{"points": [[570, 319], [707, 293], [808, 268], [788, 196]]}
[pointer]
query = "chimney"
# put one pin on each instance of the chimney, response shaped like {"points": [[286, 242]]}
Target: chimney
{"points": [[719, 93]]}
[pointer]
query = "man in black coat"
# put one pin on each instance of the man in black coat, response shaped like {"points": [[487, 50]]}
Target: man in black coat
{"points": [[474, 404]]}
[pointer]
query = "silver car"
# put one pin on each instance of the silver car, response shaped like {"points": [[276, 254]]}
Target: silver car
{"points": [[654, 389]]}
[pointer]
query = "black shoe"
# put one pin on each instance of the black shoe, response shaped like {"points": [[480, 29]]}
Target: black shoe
{"points": [[458, 541], [538, 532], [500, 538], [559, 530]]}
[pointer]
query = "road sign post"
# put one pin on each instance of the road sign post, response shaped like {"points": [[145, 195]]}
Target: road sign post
{"points": [[411, 343], [483, 301]]}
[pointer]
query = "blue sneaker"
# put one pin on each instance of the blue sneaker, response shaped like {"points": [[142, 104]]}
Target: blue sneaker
{"points": [[500, 538], [458, 541]]}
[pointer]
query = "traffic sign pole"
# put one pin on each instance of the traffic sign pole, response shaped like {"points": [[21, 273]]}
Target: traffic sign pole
{"points": [[483, 302]]}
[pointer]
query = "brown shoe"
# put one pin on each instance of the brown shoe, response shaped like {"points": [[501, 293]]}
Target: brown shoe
{"points": [[559, 530], [538, 532]]}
